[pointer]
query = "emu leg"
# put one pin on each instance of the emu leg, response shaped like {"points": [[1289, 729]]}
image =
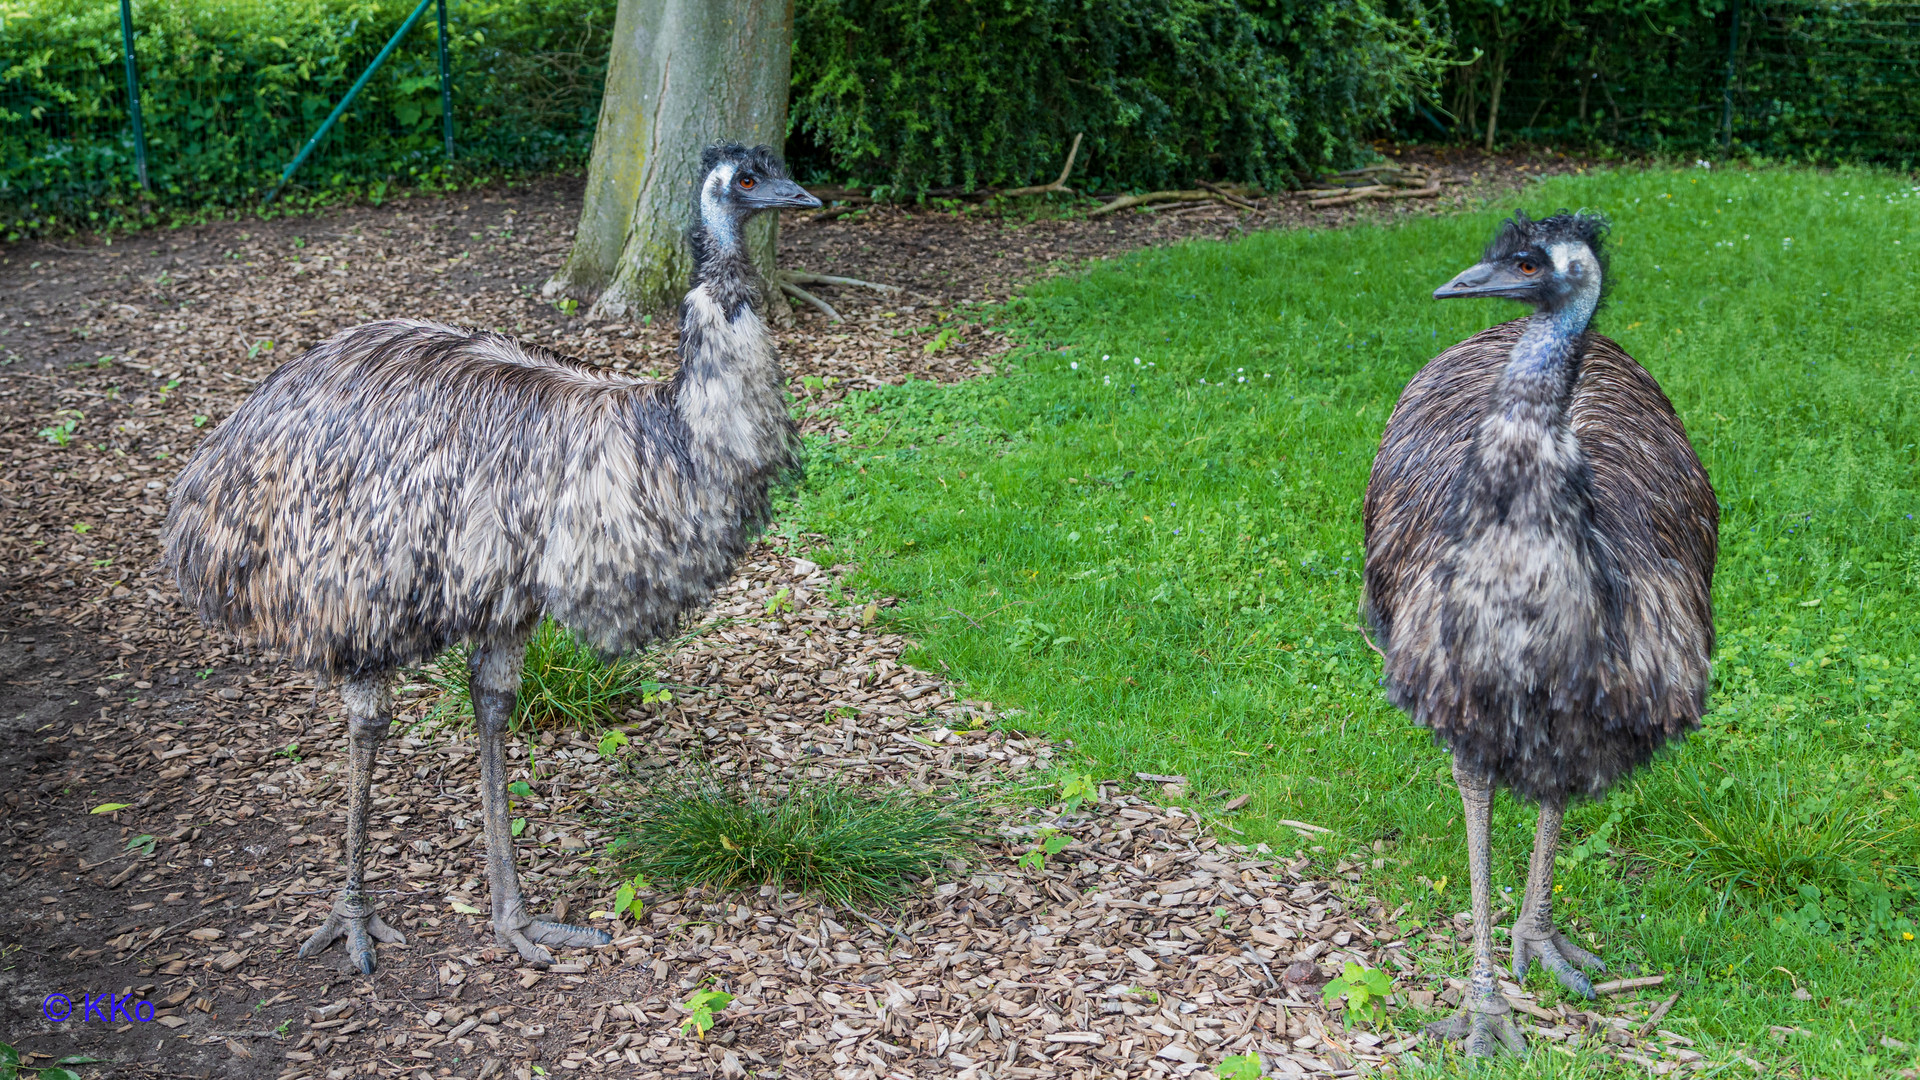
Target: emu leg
{"points": [[369, 711], [1484, 1023], [494, 680], [1534, 937]]}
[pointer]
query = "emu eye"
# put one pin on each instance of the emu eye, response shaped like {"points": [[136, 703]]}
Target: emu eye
{"points": [[1527, 267], [747, 182]]}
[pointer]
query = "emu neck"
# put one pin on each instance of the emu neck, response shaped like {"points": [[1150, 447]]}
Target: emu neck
{"points": [[1526, 460], [728, 390]]}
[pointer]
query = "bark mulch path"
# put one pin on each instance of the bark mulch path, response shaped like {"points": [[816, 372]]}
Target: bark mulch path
{"points": [[1149, 946]]}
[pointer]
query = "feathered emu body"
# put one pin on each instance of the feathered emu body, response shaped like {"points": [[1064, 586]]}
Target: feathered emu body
{"points": [[1540, 542], [405, 486]]}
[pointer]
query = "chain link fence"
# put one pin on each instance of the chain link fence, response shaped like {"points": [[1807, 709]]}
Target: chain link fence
{"points": [[1784, 79], [230, 93]]}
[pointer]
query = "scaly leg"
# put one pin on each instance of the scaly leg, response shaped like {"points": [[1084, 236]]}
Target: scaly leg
{"points": [[1534, 937], [369, 711], [1484, 1024], [493, 680]]}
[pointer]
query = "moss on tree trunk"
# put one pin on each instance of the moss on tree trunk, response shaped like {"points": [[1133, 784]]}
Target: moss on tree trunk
{"points": [[683, 74]]}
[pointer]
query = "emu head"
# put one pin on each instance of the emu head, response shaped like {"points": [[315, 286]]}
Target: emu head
{"points": [[1554, 264], [738, 182]]}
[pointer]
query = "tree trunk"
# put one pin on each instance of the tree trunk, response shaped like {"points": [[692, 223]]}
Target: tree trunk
{"points": [[1497, 76], [683, 74]]}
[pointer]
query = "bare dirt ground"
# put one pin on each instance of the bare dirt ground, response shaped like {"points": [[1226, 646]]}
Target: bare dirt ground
{"points": [[1150, 946]]}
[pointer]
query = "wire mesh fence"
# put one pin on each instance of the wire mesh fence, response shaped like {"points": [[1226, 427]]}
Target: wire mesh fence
{"points": [[1790, 79], [231, 92]]}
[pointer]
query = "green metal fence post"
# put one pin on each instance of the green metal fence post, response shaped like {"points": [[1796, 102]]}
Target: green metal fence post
{"points": [[133, 92], [1733, 53], [446, 84], [348, 100]]}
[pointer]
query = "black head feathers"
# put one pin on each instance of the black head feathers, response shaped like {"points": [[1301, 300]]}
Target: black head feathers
{"points": [[1521, 233], [761, 159]]}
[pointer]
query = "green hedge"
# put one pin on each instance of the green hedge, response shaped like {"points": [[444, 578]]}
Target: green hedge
{"points": [[922, 94], [230, 90]]}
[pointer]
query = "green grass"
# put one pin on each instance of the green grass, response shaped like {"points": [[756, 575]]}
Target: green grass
{"points": [[847, 845], [564, 684], [1160, 561]]}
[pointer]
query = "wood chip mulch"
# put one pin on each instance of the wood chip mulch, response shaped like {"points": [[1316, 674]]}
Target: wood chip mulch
{"points": [[1152, 945]]}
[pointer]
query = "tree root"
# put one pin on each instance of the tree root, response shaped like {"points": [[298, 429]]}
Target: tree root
{"points": [[809, 299], [791, 280], [1058, 185]]}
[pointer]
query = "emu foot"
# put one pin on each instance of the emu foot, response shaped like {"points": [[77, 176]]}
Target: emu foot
{"points": [[352, 919], [1568, 962], [531, 938], [1482, 1028]]}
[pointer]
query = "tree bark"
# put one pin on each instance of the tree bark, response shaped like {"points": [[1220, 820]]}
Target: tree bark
{"points": [[683, 74]]}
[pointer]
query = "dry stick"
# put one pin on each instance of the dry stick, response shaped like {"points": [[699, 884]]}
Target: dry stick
{"points": [[1379, 191], [1125, 201], [1659, 1013], [802, 277], [1227, 195], [1057, 185], [806, 297]]}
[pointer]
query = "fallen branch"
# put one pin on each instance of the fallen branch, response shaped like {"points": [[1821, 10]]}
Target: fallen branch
{"points": [[1378, 191], [1125, 201], [806, 297], [1228, 195], [801, 277], [1057, 185]]}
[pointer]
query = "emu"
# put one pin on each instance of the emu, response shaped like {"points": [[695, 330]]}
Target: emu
{"points": [[1540, 541], [406, 486]]}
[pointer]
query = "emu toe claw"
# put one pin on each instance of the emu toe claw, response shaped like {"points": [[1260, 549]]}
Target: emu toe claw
{"points": [[1481, 1029], [531, 940], [360, 926], [1568, 962]]}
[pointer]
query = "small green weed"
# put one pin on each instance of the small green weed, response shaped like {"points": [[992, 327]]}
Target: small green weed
{"points": [[842, 843], [65, 423], [1048, 842], [144, 843], [12, 1069], [1076, 789], [1239, 1067], [700, 1006], [522, 790], [564, 683], [1365, 990]]}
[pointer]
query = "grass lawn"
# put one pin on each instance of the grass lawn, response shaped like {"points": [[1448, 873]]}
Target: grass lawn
{"points": [[1145, 533]]}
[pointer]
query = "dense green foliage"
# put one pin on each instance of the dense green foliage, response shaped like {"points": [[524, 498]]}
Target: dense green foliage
{"points": [[231, 89], [1813, 80], [1158, 558], [918, 95]]}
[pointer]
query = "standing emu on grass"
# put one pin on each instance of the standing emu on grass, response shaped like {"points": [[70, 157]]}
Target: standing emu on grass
{"points": [[1540, 548], [404, 486]]}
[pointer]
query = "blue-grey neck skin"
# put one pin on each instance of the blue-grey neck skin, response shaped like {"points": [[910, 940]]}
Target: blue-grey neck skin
{"points": [[1545, 361], [718, 240]]}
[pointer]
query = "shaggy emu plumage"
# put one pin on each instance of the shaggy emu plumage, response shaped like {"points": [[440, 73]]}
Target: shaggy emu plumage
{"points": [[405, 486], [1540, 541]]}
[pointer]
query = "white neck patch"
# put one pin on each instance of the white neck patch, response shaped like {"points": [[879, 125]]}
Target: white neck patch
{"points": [[713, 203]]}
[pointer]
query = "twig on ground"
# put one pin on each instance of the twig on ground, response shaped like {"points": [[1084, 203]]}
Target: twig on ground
{"points": [[808, 298], [802, 277], [1659, 1013], [1228, 195], [1058, 185], [1125, 201]]}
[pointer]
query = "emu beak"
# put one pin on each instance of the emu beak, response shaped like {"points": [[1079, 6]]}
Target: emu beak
{"points": [[782, 195], [1486, 279]]}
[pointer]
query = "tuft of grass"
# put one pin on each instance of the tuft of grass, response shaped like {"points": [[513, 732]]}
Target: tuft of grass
{"points": [[1769, 833], [564, 684], [844, 844]]}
